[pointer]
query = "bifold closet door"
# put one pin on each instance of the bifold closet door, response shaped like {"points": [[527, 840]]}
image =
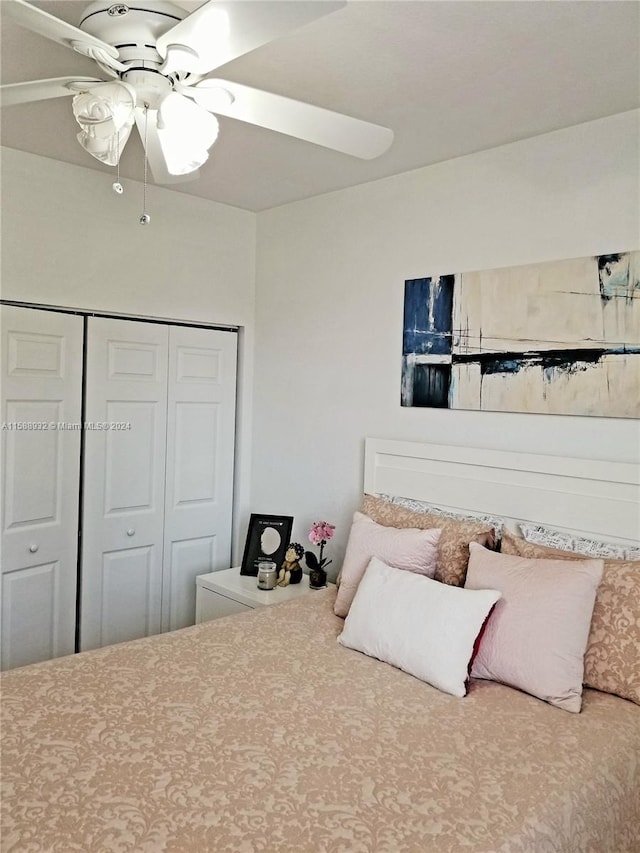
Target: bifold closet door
{"points": [[158, 479], [200, 454], [41, 429], [123, 484]]}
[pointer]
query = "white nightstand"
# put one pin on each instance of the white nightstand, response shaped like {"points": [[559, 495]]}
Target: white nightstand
{"points": [[227, 592]]}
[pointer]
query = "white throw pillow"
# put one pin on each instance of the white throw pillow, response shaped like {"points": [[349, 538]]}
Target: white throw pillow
{"points": [[422, 626]]}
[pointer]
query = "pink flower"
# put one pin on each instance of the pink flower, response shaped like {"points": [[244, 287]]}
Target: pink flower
{"points": [[321, 532]]}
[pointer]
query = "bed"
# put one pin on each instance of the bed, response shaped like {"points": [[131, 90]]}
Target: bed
{"points": [[260, 732]]}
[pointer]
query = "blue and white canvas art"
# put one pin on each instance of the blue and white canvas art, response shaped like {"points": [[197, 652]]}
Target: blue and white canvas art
{"points": [[554, 338]]}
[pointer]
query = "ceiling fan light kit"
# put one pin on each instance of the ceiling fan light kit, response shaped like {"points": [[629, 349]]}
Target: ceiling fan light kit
{"points": [[106, 116], [156, 57], [186, 132]]}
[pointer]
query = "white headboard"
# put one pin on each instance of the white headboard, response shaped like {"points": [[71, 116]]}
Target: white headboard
{"points": [[585, 496]]}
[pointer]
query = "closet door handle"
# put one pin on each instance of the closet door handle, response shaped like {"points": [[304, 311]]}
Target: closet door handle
{"points": [[131, 532], [33, 548]]}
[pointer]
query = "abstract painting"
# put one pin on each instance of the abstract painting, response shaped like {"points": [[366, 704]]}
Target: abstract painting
{"points": [[556, 338]]}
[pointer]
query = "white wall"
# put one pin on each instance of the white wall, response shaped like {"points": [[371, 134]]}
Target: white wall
{"points": [[329, 306], [68, 240]]}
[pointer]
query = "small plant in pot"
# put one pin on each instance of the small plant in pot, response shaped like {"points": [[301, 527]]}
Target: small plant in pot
{"points": [[320, 533]]}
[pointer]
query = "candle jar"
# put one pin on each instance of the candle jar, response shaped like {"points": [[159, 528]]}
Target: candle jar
{"points": [[267, 575]]}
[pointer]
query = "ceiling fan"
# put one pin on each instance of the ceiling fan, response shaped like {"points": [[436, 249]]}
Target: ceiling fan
{"points": [[153, 61]]}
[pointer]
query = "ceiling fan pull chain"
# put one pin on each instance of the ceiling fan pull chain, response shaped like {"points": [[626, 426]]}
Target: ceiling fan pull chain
{"points": [[145, 219], [117, 186]]}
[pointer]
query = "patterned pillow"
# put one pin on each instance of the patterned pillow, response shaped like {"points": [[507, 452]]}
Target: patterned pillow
{"points": [[612, 659], [422, 506], [453, 548], [550, 538]]}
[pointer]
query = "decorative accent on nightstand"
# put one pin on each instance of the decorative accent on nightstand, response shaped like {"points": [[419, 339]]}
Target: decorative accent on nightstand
{"points": [[291, 571], [320, 533], [317, 579], [267, 539], [267, 574]]}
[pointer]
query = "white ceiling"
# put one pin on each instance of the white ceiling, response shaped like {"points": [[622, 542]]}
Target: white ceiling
{"points": [[449, 78]]}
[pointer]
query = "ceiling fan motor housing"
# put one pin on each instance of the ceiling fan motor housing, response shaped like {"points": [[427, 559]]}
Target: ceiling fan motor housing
{"points": [[150, 86], [132, 29]]}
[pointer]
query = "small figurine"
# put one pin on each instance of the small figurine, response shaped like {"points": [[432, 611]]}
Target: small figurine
{"points": [[291, 571]]}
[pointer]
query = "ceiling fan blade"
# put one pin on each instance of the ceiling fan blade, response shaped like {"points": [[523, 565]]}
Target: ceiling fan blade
{"points": [[41, 90], [146, 122], [304, 121], [218, 31], [53, 28]]}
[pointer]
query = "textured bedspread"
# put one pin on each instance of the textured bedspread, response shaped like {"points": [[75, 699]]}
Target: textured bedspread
{"points": [[260, 733]]}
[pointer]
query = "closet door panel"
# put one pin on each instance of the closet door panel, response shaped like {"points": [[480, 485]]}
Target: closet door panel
{"points": [[41, 411], [186, 561], [200, 457], [124, 479], [127, 617], [130, 456], [30, 605]]}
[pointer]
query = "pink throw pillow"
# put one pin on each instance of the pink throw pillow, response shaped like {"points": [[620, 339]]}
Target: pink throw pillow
{"points": [[536, 636], [410, 549]]}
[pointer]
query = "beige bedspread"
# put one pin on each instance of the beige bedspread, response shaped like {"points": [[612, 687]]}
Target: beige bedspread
{"points": [[260, 733]]}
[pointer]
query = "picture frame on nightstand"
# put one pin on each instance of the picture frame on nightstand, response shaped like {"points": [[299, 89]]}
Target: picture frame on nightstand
{"points": [[267, 539]]}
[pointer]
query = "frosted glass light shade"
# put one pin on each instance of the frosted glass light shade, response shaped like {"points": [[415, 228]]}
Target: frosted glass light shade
{"points": [[186, 132], [105, 115]]}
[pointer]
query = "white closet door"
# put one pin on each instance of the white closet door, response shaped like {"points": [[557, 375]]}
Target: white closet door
{"points": [[41, 394], [200, 454], [124, 477]]}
